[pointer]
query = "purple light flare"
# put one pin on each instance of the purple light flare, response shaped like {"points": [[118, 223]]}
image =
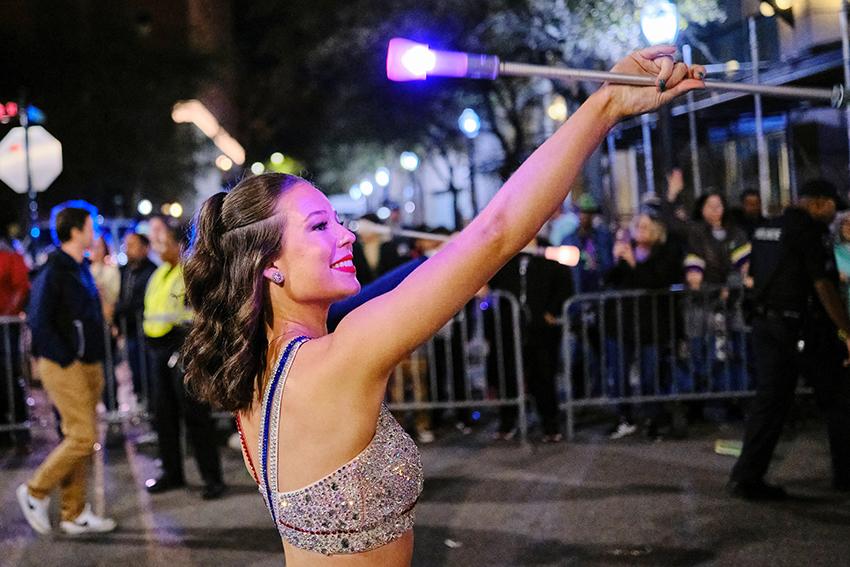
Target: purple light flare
{"points": [[411, 61]]}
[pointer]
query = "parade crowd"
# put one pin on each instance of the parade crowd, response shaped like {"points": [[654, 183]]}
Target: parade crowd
{"points": [[80, 304]]}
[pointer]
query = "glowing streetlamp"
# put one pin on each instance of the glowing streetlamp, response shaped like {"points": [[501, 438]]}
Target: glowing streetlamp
{"points": [[659, 22], [470, 125], [354, 192], [145, 207], [409, 161], [366, 187], [276, 158], [257, 168], [382, 176]]}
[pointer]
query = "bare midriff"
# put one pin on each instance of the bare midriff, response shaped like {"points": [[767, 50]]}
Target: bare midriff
{"points": [[398, 553]]}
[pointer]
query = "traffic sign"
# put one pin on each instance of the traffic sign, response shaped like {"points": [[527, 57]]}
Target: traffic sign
{"points": [[45, 159]]}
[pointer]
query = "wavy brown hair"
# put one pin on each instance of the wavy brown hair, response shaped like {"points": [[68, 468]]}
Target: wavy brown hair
{"points": [[237, 235]]}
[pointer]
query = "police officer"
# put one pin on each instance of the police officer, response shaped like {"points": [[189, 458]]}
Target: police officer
{"points": [[795, 284]]}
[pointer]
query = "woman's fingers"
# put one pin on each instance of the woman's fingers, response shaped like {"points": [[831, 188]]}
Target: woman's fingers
{"points": [[657, 51], [697, 72], [680, 72], [665, 64]]}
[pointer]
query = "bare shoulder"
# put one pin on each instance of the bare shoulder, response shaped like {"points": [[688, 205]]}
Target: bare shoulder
{"points": [[325, 386]]}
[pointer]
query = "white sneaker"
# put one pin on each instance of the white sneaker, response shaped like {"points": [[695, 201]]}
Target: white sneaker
{"points": [[88, 523], [425, 436], [35, 510], [624, 429]]}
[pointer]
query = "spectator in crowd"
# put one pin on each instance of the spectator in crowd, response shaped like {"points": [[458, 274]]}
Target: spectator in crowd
{"points": [[541, 286], [14, 291], [749, 216], [671, 211], [718, 251], [842, 254], [157, 227], [166, 321], [66, 318], [718, 258], [644, 262], [131, 304], [595, 244], [107, 278]]}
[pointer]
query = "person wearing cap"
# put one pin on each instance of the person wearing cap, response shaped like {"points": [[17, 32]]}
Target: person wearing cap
{"points": [[795, 289], [595, 244]]}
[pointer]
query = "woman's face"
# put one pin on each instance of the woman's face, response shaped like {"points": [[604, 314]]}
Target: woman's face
{"points": [[316, 260], [712, 210], [98, 250], [646, 232]]}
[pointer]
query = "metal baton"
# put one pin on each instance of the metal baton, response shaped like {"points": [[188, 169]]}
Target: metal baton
{"points": [[411, 61]]}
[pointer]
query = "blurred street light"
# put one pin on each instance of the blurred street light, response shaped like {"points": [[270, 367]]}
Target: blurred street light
{"points": [[366, 187], [383, 213], [409, 161], [766, 10], [469, 123], [354, 192], [659, 22], [145, 207], [409, 207], [194, 112], [224, 163], [175, 210], [382, 176], [257, 168], [558, 110], [276, 158]]}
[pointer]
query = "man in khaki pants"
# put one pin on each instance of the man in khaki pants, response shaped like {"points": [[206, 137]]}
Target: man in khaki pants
{"points": [[67, 327]]}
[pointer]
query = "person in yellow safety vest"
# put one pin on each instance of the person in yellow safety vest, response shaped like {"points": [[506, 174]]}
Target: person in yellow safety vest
{"points": [[166, 321]]}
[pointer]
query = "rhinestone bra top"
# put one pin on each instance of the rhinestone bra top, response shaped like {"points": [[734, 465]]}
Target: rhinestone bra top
{"points": [[366, 503]]}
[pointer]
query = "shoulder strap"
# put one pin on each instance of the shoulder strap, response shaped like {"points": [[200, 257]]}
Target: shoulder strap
{"points": [[269, 422]]}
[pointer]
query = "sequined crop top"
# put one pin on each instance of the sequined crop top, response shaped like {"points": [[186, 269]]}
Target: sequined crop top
{"points": [[366, 503]]}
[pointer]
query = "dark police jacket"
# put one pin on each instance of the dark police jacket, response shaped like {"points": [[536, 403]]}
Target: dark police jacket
{"points": [[790, 253], [131, 300], [65, 313]]}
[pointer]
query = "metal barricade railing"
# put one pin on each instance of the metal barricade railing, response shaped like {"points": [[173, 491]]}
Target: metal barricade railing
{"points": [[641, 346], [14, 385], [474, 361]]}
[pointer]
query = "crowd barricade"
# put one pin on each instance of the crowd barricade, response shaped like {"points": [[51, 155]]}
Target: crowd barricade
{"points": [[16, 375], [474, 361], [640, 347]]}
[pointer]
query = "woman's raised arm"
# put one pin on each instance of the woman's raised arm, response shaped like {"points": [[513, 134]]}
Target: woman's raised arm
{"points": [[375, 336]]}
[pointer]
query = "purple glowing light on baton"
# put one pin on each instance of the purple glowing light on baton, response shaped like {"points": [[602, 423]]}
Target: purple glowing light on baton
{"points": [[411, 61]]}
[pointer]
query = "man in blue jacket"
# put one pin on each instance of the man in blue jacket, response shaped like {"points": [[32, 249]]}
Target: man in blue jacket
{"points": [[68, 340]]}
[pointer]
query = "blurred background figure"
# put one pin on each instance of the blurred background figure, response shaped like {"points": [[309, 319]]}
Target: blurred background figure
{"points": [[748, 216], [14, 292], [106, 276], [644, 262], [166, 322], [130, 307]]}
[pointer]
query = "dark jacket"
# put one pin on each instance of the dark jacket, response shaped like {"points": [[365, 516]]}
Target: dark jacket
{"points": [[541, 286], [65, 314], [131, 299], [658, 272]]}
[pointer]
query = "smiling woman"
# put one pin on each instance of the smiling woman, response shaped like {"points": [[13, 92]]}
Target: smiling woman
{"points": [[339, 476]]}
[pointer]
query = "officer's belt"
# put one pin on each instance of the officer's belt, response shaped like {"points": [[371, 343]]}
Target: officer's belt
{"points": [[778, 313]]}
